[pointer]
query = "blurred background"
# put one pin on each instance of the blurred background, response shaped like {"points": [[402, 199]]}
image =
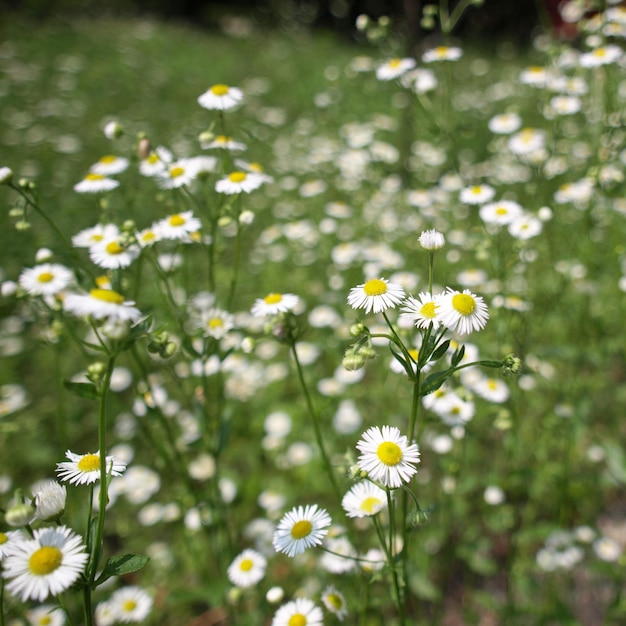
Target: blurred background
{"points": [[497, 18]]}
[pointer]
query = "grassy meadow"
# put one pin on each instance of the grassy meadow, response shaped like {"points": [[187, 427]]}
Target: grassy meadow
{"points": [[246, 363]]}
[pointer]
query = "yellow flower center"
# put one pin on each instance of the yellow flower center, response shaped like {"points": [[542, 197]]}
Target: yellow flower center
{"points": [[237, 177], [222, 139], [428, 310], [301, 529], [369, 504], [45, 560], [219, 90], [215, 322], [108, 158], [492, 384], [273, 298], [335, 600], [414, 354], [114, 248], [389, 453], [89, 463], [176, 220], [148, 236], [463, 303], [45, 277], [246, 565], [375, 287], [394, 63], [107, 295], [175, 172], [96, 237], [501, 210], [441, 50], [129, 605], [92, 176], [297, 620], [3, 538], [599, 52], [255, 167], [153, 158], [44, 621], [102, 281]]}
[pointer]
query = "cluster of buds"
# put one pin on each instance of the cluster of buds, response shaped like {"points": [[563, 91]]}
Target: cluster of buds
{"points": [[160, 344], [355, 356]]}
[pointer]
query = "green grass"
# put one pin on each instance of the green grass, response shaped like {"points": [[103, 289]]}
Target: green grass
{"points": [[554, 447]]}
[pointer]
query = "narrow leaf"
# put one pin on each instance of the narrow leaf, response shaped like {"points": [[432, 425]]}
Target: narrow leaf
{"points": [[84, 390], [122, 564]]}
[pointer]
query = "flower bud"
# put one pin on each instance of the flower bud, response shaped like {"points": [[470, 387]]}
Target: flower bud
{"points": [[6, 175], [432, 240], [19, 514], [353, 361], [357, 329], [512, 365], [113, 130], [49, 500], [95, 371], [143, 148]]}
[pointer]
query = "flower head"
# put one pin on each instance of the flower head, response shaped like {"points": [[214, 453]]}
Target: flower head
{"points": [[130, 604], [176, 174], [94, 183], [45, 565], [387, 456], [335, 602], [274, 303], [298, 612], [464, 312], [101, 304], [84, 469], [432, 240], [394, 68], [239, 181], [247, 569], [109, 165], [177, 226], [364, 499], [8, 540], [46, 279], [500, 213], [111, 254], [49, 498], [220, 97], [476, 194], [375, 295], [46, 615], [300, 529], [442, 53], [422, 311]]}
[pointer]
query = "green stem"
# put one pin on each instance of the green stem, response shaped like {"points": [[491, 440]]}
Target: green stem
{"points": [[235, 273], [1, 601], [315, 421]]}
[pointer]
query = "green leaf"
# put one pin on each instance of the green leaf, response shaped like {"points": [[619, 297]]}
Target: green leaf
{"points": [[458, 355], [122, 564], [434, 381], [84, 390], [440, 351]]}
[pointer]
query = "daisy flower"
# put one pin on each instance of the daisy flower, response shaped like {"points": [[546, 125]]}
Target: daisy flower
{"points": [[419, 80], [147, 237], [299, 612], [432, 240], [476, 194], [101, 304], [84, 469], [442, 53], [500, 213], [375, 295], [335, 602], [176, 174], [156, 162], [364, 499], [220, 98], [464, 312], [45, 565], [110, 255], [109, 165], [300, 529], [87, 237], [178, 226], [94, 183], [239, 181], [505, 123], [394, 68], [422, 311], [216, 323], [526, 141], [387, 456], [46, 615], [247, 569], [130, 604], [491, 389], [274, 303], [223, 142], [46, 279], [602, 55], [8, 540], [254, 168], [525, 226]]}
